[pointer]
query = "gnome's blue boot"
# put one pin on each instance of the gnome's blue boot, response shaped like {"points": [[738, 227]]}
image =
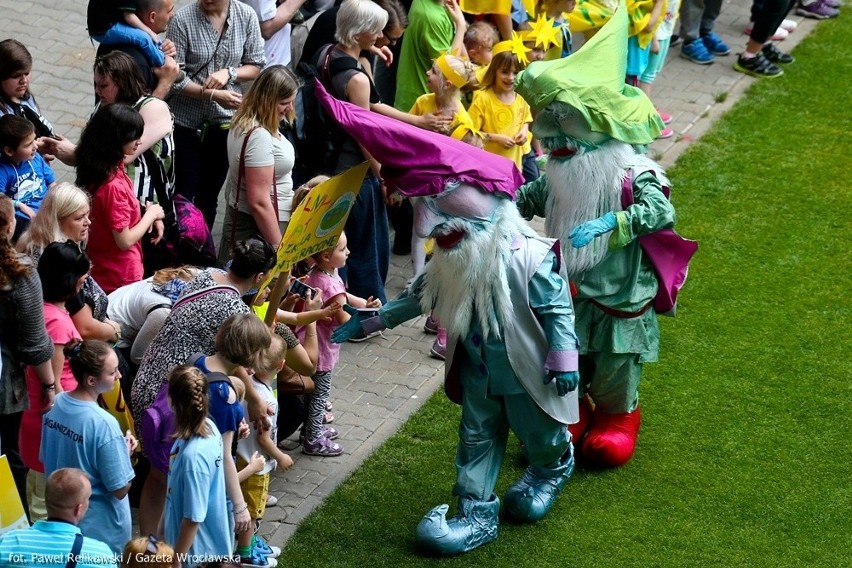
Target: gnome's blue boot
{"points": [[474, 525], [531, 497]]}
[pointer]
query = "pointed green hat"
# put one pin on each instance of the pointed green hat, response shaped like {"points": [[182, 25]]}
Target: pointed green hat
{"points": [[592, 81]]}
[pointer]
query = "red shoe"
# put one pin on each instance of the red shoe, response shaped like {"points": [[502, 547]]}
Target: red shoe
{"points": [[611, 440], [579, 429]]}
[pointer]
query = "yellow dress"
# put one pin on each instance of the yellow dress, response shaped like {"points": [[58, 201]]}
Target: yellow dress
{"points": [[493, 116], [428, 103]]}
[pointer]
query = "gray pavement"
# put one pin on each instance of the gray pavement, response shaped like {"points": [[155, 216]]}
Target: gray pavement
{"points": [[381, 382]]}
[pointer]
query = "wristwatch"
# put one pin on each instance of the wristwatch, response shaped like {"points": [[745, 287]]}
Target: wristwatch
{"points": [[232, 75]]}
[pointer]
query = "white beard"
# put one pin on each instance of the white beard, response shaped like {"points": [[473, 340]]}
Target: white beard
{"points": [[471, 278], [583, 188]]}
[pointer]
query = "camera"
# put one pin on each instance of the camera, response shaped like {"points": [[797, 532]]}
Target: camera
{"points": [[302, 290]]}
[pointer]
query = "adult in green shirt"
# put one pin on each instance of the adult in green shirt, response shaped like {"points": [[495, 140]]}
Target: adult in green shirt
{"points": [[435, 27]]}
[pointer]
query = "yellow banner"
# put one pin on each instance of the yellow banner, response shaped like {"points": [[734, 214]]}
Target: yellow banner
{"points": [[317, 223], [12, 515], [114, 403]]}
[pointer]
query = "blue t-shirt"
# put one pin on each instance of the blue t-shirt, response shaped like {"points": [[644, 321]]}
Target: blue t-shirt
{"points": [[81, 434], [196, 491], [27, 182]]}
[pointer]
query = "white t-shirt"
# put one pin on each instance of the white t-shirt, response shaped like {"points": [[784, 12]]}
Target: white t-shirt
{"points": [[130, 305], [277, 47], [247, 446], [262, 150]]}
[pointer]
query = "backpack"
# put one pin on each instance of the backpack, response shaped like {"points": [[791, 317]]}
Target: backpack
{"points": [[668, 252], [318, 139], [158, 423]]}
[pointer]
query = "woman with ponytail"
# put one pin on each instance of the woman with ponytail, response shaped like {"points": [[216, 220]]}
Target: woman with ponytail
{"points": [[79, 433], [196, 515], [23, 341]]}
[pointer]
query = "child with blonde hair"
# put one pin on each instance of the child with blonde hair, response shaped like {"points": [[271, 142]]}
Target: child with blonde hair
{"points": [[319, 439], [258, 454], [147, 552], [479, 40], [502, 115]]}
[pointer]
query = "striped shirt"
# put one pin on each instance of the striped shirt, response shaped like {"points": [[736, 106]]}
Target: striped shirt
{"points": [[47, 544], [201, 52]]}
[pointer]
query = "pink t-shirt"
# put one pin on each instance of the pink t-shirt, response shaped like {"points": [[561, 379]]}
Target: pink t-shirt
{"points": [[114, 208], [61, 330], [329, 352]]}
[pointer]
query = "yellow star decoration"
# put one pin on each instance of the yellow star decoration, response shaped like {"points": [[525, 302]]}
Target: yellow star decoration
{"points": [[519, 49], [545, 33]]}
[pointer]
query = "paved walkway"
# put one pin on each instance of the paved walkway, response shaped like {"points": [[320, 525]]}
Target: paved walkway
{"points": [[381, 382]]}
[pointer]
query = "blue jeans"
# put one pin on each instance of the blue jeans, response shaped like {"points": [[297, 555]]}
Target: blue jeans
{"points": [[122, 33], [369, 243]]}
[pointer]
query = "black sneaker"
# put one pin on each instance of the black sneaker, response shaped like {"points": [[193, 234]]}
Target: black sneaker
{"points": [[775, 55], [757, 66]]}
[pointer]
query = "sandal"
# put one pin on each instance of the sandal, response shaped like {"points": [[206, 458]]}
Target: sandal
{"points": [[322, 447]]}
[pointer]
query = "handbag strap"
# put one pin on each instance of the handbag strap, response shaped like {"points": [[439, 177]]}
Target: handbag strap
{"points": [[75, 551], [241, 174]]}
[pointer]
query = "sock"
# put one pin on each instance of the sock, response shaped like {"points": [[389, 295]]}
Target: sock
{"points": [[244, 551]]}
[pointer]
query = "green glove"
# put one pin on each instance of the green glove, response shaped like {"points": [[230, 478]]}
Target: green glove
{"points": [[566, 381]]}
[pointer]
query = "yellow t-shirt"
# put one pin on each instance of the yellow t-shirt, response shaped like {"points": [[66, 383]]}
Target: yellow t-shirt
{"points": [[428, 103], [493, 116]]}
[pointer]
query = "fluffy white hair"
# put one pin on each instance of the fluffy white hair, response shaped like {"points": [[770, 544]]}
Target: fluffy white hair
{"points": [[583, 188], [471, 278]]}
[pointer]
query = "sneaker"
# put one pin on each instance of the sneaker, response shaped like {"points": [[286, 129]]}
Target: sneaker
{"points": [[714, 44], [364, 337], [328, 406], [836, 4], [431, 325], [322, 447], [257, 560], [665, 117], [330, 432], [789, 26], [818, 10], [757, 66], [780, 34], [696, 52], [438, 350], [665, 133], [265, 548], [675, 40], [327, 418], [775, 55], [271, 500]]}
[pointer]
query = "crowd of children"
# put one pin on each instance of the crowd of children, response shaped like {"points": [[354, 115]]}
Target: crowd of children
{"points": [[221, 457]]}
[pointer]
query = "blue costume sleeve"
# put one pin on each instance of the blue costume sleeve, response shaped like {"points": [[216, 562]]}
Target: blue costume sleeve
{"points": [[550, 300], [404, 307]]}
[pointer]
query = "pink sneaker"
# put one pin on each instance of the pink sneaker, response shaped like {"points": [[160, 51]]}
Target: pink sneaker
{"points": [[665, 117], [665, 133], [780, 34], [789, 25]]}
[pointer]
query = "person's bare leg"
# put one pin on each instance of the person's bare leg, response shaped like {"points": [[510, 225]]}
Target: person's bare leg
{"points": [[152, 501]]}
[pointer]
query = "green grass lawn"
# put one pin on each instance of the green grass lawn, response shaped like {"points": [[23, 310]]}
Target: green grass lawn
{"points": [[744, 455]]}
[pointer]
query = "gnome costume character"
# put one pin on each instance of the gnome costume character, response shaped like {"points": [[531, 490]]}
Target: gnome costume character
{"points": [[599, 196], [495, 285]]}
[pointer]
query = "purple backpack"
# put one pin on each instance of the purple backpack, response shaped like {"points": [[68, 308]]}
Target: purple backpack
{"points": [[668, 252], [158, 424]]}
